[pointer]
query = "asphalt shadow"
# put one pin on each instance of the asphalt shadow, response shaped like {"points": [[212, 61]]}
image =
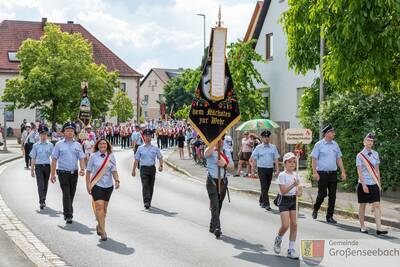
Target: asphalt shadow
{"points": [[49, 212], [159, 211], [78, 227], [256, 253], [116, 247]]}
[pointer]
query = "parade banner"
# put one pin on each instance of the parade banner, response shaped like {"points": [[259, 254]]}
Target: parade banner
{"points": [[215, 109], [85, 112]]}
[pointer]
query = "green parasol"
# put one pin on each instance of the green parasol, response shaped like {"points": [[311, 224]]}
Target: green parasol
{"points": [[257, 125]]}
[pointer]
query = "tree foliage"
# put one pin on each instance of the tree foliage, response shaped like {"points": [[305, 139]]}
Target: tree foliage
{"points": [[362, 40], [122, 107], [179, 91], [51, 72], [241, 58]]}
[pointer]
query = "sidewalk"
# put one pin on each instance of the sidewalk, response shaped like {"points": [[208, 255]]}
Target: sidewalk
{"points": [[10, 254], [346, 203]]}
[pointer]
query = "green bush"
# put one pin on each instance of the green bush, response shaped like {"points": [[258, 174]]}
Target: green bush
{"points": [[354, 114]]}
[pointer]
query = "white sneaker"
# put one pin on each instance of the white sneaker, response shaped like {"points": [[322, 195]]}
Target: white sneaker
{"points": [[277, 245], [291, 253]]}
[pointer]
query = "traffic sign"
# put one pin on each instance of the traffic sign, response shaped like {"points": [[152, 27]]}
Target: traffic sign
{"points": [[296, 136]]}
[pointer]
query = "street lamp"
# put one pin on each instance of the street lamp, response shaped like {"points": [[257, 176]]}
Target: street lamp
{"points": [[204, 26]]}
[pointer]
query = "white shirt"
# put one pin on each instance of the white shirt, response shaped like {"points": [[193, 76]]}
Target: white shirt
{"points": [[288, 179]]}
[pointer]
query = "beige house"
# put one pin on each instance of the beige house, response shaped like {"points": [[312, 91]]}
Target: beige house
{"points": [[152, 91], [13, 33]]}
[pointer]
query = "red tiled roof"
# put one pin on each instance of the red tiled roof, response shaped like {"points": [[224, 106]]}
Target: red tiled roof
{"points": [[13, 33]]}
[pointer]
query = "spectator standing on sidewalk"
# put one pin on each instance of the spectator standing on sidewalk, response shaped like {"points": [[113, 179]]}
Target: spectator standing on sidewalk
{"points": [[188, 137], [369, 183], [245, 153], [40, 164], [28, 138], [228, 145], [265, 156], [326, 157], [181, 144]]}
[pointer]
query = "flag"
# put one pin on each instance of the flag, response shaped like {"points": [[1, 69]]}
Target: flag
{"points": [[215, 107]]}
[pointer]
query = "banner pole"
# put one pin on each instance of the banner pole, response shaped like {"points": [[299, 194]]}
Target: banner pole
{"points": [[219, 171]]}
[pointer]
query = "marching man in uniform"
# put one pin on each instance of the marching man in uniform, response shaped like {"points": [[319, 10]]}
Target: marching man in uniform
{"points": [[147, 154], [40, 163], [215, 193], [266, 155], [326, 157], [67, 153]]}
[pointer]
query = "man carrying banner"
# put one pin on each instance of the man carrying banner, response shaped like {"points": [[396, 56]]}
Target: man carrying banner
{"points": [[217, 189], [100, 171], [214, 111], [369, 183], [147, 154]]}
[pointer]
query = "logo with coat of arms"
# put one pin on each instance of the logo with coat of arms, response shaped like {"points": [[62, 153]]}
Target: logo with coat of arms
{"points": [[312, 251]]}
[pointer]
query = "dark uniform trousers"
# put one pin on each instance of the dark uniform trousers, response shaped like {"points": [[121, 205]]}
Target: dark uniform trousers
{"points": [[265, 175], [42, 172], [68, 182], [148, 177], [28, 148], [216, 199], [159, 141], [327, 181]]}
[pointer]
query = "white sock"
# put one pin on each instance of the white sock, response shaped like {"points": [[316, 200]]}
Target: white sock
{"points": [[291, 244]]}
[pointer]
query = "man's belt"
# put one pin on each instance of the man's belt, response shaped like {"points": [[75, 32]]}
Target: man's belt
{"points": [[67, 172], [42, 165], [327, 172]]}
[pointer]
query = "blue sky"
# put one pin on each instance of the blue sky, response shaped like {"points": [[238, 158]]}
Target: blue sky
{"points": [[144, 33]]}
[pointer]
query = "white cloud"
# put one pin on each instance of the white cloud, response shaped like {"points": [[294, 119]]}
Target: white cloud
{"points": [[148, 64], [143, 33]]}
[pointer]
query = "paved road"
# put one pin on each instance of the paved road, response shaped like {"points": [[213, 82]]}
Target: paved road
{"points": [[173, 233]]}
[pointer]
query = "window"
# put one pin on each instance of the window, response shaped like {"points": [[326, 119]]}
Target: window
{"points": [[145, 114], [12, 56], [146, 98], [300, 93], [123, 87], [9, 115], [155, 82], [269, 46], [149, 83], [160, 97], [266, 97]]}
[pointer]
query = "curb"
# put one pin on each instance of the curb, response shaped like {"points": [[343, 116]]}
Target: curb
{"points": [[303, 204], [22, 237]]}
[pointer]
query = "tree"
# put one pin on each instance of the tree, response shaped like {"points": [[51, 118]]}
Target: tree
{"points": [[122, 107], [241, 58], [51, 72], [179, 91], [362, 40]]}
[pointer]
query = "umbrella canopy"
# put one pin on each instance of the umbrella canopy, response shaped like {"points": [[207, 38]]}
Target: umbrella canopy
{"points": [[257, 125]]}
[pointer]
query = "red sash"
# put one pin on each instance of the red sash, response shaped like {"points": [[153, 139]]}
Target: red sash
{"points": [[101, 171], [223, 156], [371, 169]]}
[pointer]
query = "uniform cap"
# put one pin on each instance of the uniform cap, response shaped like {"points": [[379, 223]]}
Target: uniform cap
{"points": [[147, 132], [43, 129], [266, 133], [69, 125], [327, 129], [288, 156], [370, 136]]}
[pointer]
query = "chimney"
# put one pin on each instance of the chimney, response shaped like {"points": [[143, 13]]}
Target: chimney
{"points": [[44, 20], [70, 22]]}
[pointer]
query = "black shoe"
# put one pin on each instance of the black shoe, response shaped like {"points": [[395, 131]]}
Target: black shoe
{"points": [[381, 232], [69, 220], [211, 229], [42, 205], [104, 237], [217, 233], [331, 220], [314, 214], [268, 207], [364, 231], [147, 206]]}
